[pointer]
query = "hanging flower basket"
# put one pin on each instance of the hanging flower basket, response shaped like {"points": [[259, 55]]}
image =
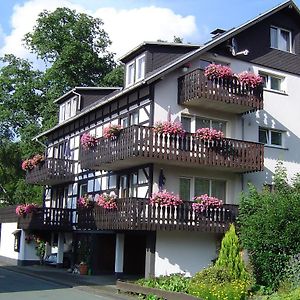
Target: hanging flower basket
{"points": [[250, 79], [85, 202], [24, 209], [203, 202], [107, 201], [111, 131], [88, 141], [208, 134], [169, 127], [214, 71], [165, 198]]}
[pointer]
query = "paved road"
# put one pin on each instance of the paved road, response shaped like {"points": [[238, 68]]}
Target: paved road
{"points": [[16, 286]]}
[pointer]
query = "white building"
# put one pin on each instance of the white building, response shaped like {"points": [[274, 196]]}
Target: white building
{"points": [[166, 81]]}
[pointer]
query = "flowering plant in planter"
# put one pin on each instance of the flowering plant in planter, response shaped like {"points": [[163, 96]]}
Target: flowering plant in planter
{"points": [[107, 201], [87, 141], [85, 201], [27, 165], [165, 198], [208, 134], [112, 130], [169, 127], [38, 159], [203, 202], [213, 71], [250, 79], [24, 209]]}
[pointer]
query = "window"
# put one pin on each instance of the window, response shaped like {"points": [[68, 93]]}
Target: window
{"points": [[270, 137], [191, 187], [130, 74], [68, 109], [272, 82], [83, 189], [135, 70], [192, 123], [281, 39], [132, 119], [140, 68]]}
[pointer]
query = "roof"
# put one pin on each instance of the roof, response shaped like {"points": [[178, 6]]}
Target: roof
{"points": [[149, 43], [162, 71], [84, 88]]}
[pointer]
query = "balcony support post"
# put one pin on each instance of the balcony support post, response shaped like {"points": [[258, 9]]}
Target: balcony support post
{"points": [[150, 255], [119, 258], [60, 250]]}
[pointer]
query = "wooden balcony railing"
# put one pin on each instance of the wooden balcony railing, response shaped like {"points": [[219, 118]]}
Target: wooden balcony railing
{"points": [[139, 144], [229, 95], [49, 218], [52, 171], [138, 214]]}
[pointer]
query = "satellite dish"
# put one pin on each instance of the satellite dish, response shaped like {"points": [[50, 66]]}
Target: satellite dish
{"points": [[234, 48]]}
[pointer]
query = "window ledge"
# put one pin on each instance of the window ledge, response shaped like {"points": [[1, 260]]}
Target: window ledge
{"points": [[276, 147], [276, 92]]}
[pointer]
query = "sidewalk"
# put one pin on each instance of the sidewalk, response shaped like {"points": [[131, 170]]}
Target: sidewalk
{"points": [[98, 285]]}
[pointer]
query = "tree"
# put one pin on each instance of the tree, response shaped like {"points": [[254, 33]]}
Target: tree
{"points": [[270, 227], [229, 256], [114, 78], [75, 45]]}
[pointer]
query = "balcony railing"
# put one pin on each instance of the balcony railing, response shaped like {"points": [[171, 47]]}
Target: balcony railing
{"points": [[49, 218], [52, 171], [229, 95], [138, 214], [140, 144]]}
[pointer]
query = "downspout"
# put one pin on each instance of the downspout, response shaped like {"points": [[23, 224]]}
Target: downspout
{"points": [[36, 140], [79, 99], [243, 137]]}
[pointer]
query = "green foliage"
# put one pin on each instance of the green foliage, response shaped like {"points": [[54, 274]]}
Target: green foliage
{"points": [[174, 283], [270, 227], [291, 278], [230, 257], [114, 78]]}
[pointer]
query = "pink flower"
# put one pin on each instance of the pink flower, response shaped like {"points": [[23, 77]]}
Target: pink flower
{"points": [[208, 134], [165, 198], [24, 209], [112, 130], [88, 141], [167, 127], [203, 202], [27, 164], [85, 201], [107, 201], [37, 159], [250, 79], [213, 71]]}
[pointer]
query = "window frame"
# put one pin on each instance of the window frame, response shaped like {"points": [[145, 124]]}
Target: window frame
{"points": [[267, 83], [279, 29], [139, 68], [269, 137], [130, 82]]}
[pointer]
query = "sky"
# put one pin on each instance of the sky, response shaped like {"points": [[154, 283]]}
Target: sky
{"points": [[130, 22]]}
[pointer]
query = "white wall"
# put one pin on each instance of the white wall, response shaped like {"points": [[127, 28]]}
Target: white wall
{"points": [[183, 252]]}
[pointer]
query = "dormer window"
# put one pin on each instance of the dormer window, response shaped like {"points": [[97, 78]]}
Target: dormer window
{"points": [[281, 39], [68, 109], [135, 70]]}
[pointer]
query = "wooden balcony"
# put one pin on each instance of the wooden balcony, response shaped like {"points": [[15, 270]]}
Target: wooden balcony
{"points": [[138, 214], [49, 219], [53, 171], [195, 89], [138, 144]]}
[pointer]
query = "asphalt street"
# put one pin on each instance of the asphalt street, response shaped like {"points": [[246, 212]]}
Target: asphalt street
{"points": [[16, 286]]}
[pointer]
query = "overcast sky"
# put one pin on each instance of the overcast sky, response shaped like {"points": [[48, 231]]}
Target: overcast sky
{"points": [[130, 22]]}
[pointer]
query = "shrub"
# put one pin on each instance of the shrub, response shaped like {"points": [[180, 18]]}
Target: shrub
{"points": [[270, 227], [174, 283]]}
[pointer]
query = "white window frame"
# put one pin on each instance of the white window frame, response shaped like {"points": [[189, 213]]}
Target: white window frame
{"points": [[130, 79], [279, 29], [269, 137], [192, 185], [138, 67], [193, 119], [267, 85]]}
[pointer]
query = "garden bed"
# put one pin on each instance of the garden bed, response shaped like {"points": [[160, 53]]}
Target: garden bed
{"points": [[138, 289]]}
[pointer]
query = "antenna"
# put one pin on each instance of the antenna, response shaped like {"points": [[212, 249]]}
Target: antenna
{"points": [[234, 48]]}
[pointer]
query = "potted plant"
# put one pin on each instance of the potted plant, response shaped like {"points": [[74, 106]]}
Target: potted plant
{"points": [[85, 202], [24, 209], [165, 198], [88, 141], [207, 134], [111, 131], [214, 71], [250, 79], [27, 165]]}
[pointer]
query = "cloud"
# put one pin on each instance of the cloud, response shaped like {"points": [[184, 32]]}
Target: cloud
{"points": [[125, 27]]}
